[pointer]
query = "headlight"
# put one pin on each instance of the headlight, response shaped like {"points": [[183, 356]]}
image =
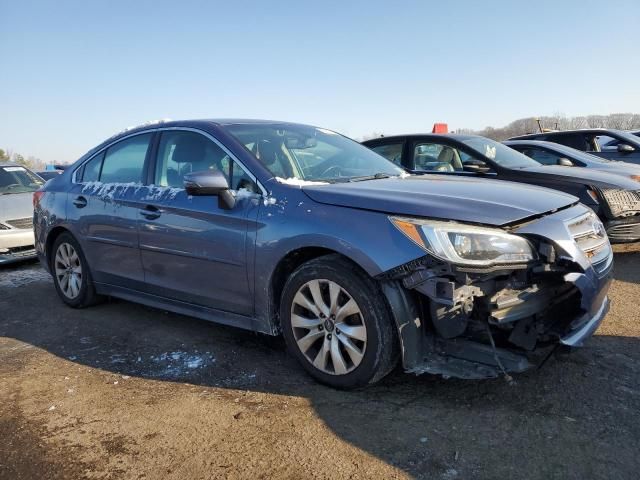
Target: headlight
{"points": [[466, 244]]}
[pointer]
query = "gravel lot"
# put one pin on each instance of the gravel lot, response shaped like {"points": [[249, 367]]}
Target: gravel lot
{"points": [[124, 391]]}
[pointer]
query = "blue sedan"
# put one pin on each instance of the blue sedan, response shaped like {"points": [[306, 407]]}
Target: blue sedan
{"points": [[296, 230]]}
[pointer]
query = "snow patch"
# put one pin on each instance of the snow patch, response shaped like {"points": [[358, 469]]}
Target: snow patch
{"points": [[298, 182], [20, 277], [107, 191], [157, 193], [179, 363]]}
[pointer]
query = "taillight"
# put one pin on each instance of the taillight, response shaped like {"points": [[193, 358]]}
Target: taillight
{"points": [[37, 195]]}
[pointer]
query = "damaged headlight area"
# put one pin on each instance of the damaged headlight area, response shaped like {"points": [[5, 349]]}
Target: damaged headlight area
{"points": [[489, 302], [464, 244]]}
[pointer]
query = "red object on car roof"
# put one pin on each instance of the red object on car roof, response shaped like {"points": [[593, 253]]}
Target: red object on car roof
{"points": [[440, 128]]}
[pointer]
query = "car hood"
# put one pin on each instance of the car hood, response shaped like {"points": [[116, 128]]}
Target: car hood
{"points": [[592, 176], [617, 168], [16, 205], [489, 202]]}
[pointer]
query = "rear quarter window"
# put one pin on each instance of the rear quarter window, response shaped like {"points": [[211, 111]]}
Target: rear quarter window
{"points": [[91, 170]]}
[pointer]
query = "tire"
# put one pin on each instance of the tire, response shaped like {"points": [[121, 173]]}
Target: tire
{"points": [[312, 314], [78, 290]]}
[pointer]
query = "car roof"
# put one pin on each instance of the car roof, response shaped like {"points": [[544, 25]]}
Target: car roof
{"points": [[560, 132], [12, 164], [454, 136], [539, 143]]}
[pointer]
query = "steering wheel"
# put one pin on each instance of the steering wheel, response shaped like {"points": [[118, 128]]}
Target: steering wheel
{"points": [[12, 185], [331, 169]]}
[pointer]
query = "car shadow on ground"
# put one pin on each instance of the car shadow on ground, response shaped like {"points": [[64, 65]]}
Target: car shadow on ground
{"points": [[576, 417], [627, 264]]}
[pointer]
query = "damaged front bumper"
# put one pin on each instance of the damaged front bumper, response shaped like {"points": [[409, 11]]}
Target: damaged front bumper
{"points": [[479, 323]]}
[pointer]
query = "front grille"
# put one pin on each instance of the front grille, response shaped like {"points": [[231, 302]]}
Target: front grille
{"points": [[622, 202], [21, 223], [624, 233], [590, 236]]}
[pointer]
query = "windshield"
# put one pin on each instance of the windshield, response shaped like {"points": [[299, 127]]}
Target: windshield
{"points": [[577, 154], [297, 152], [499, 153], [16, 179]]}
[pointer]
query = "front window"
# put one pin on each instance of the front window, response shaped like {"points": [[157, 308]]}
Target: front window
{"points": [[435, 157], [182, 152], [16, 179], [311, 154], [501, 154]]}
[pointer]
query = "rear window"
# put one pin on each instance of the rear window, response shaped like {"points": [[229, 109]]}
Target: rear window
{"points": [[124, 161]]}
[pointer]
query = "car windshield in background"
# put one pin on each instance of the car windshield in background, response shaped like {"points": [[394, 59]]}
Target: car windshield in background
{"points": [[499, 153], [16, 179], [311, 154], [578, 154]]}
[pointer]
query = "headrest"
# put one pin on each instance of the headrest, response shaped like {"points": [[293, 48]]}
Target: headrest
{"points": [[190, 149]]}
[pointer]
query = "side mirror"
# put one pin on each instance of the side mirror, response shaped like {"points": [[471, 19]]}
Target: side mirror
{"points": [[565, 162], [210, 183], [475, 166], [625, 148]]}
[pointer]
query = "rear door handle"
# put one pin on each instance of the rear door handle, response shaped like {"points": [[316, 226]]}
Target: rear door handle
{"points": [[80, 202], [150, 212]]}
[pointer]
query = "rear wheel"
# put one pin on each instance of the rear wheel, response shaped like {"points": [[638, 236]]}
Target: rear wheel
{"points": [[71, 274], [337, 325]]}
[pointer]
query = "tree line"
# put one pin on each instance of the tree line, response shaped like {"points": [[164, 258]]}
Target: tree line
{"points": [[523, 126], [30, 162]]}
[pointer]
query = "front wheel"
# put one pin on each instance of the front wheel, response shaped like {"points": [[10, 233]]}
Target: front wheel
{"points": [[336, 323]]}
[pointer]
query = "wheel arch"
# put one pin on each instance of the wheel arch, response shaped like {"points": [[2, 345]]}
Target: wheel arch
{"points": [[287, 265], [51, 238]]}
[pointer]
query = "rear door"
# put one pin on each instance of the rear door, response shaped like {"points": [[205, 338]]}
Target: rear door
{"points": [[104, 207], [192, 249]]}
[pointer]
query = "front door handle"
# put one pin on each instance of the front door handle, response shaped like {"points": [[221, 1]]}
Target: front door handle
{"points": [[150, 212], [80, 202]]}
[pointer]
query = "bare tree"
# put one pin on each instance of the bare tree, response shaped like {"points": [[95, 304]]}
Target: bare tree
{"points": [[523, 126]]}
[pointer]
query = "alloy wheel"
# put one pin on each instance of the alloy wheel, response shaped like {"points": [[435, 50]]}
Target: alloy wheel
{"points": [[68, 270], [328, 327]]}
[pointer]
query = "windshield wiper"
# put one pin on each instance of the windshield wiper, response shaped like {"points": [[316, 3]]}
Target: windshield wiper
{"points": [[375, 176]]}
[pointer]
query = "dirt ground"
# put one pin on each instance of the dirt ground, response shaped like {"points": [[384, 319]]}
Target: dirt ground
{"points": [[124, 391]]}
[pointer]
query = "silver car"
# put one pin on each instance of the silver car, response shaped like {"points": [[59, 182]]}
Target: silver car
{"points": [[17, 185]]}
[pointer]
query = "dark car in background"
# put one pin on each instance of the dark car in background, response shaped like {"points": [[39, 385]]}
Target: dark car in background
{"points": [[17, 184], [592, 140], [614, 198], [290, 229], [612, 144], [550, 153]]}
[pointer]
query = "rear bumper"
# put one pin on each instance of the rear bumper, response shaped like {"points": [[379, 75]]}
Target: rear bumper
{"points": [[624, 231]]}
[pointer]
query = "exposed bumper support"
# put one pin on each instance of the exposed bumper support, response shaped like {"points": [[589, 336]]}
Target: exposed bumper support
{"points": [[577, 337]]}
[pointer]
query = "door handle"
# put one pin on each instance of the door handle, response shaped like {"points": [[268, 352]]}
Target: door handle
{"points": [[150, 212], [80, 202]]}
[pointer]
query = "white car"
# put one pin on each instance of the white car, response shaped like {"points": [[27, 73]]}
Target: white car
{"points": [[17, 185]]}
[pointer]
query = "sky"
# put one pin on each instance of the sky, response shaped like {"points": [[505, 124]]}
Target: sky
{"points": [[76, 72]]}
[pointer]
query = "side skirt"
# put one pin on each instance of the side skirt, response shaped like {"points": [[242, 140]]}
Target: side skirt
{"points": [[183, 308]]}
